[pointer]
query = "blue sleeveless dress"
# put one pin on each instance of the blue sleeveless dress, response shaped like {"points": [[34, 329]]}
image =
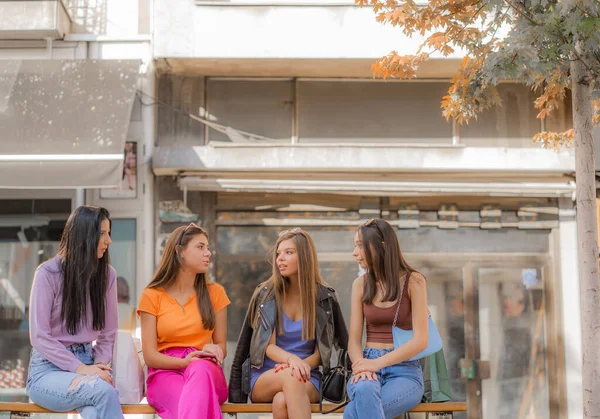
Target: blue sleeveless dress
{"points": [[291, 341]]}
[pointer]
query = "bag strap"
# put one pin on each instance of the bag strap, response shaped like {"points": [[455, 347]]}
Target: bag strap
{"points": [[335, 409], [343, 363], [400, 300], [338, 407], [343, 359]]}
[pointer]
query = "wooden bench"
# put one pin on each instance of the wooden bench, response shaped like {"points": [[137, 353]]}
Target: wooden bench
{"points": [[24, 409]]}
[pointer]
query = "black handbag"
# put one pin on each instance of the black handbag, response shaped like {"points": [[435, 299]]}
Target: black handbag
{"points": [[333, 385]]}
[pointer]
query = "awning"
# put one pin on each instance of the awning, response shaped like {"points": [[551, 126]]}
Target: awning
{"points": [[63, 123], [378, 188], [368, 170]]}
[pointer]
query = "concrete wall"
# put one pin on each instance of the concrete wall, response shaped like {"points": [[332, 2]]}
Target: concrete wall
{"points": [[33, 19], [283, 31], [114, 18]]}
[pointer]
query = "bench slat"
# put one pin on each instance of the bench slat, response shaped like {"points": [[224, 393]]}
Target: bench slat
{"points": [[232, 408]]}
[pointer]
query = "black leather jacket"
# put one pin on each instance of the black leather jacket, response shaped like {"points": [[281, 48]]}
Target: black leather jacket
{"points": [[252, 343]]}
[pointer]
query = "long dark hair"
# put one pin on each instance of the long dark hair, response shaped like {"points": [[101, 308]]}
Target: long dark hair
{"points": [[169, 267], [84, 275], [384, 260], [309, 276]]}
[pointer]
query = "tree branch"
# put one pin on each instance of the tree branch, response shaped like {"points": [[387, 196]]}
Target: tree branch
{"points": [[519, 12]]}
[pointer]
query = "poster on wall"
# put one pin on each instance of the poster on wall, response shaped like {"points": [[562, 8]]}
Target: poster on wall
{"points": [[127, 187], [161, 242]]}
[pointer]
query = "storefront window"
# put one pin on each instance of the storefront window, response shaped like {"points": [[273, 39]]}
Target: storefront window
{"points": [[510, 315], [21, 251], [123, 259], [512, 334], [26, 242], [243, 262]]}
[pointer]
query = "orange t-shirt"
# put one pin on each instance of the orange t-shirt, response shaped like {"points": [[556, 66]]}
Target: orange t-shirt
{"points": [[178, 326]]}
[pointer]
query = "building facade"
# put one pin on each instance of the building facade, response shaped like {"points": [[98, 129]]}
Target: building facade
{"points": [[258, 116]]}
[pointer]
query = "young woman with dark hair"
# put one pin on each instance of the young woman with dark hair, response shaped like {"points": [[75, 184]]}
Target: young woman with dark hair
{"points": [[293, 323], [74, 303], [184, 331], [384, 383]]}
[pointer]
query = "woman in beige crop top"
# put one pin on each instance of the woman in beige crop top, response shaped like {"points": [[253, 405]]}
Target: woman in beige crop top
{"points": [[384, 384]]}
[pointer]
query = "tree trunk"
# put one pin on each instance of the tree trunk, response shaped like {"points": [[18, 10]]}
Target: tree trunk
{"points": [[587, 232]]}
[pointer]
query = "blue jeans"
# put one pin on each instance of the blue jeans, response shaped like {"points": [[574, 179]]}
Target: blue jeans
{"points": [[62, 391], [399, 389]]}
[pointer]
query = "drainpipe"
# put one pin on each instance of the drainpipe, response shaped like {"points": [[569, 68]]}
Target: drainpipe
{"points": [[48, 47], [148, 86], [79, 198]]}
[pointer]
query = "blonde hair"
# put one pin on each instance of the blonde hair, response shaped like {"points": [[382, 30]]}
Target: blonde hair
{"points": [[309, 276]]}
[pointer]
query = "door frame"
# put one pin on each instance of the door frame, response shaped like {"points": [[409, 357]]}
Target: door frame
{"points": [[554, 366]]}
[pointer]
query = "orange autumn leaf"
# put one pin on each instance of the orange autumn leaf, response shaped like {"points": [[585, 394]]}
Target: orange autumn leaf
{"points": [[475, 28]]}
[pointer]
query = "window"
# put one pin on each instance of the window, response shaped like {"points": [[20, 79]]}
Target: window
{"points": [[179, 96], [258, 107], [512, 124], [123, 259], [30, 232], [367, 112]]}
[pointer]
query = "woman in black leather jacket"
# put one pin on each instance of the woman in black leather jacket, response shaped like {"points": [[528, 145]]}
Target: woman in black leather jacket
{"points": [[293, 323]]}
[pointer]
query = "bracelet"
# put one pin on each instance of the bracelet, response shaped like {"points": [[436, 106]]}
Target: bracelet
{"points": [[287, 361]]}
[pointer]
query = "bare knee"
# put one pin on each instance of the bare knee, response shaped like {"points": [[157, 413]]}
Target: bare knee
{"points": [[99, 388], [292, 387], [82, 380], [94, 382], [279, 406]]}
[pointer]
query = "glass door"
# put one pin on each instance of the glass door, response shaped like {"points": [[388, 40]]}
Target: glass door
{"points": [[446, 303], [506, 364]]}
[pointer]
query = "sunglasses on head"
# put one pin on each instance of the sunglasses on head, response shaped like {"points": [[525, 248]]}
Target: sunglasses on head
{"points": [[373, 223], [296, 230], [186, 229]]}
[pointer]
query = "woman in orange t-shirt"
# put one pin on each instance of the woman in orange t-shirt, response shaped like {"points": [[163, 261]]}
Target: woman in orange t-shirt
{"points": [[184, 331]]}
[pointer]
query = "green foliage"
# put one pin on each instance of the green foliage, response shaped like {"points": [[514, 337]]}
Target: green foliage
{"points": [[528, 41]]}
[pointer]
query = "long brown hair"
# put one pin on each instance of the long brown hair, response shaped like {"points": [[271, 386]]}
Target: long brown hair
{"points": [[384, 260], [309, 276], [169, 267]]}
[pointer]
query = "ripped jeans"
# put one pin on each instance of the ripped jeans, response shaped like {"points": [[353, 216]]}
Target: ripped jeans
{"points": [[62, 391]]}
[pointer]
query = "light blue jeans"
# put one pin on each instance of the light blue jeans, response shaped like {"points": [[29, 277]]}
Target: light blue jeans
{"points": [[61, 391], [399, 389]]}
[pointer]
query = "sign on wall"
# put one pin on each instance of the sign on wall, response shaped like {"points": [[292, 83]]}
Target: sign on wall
{"points": [[127, 188]]}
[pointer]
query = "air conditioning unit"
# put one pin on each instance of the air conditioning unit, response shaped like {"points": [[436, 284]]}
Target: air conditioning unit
{"points": [[33, 19]]}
